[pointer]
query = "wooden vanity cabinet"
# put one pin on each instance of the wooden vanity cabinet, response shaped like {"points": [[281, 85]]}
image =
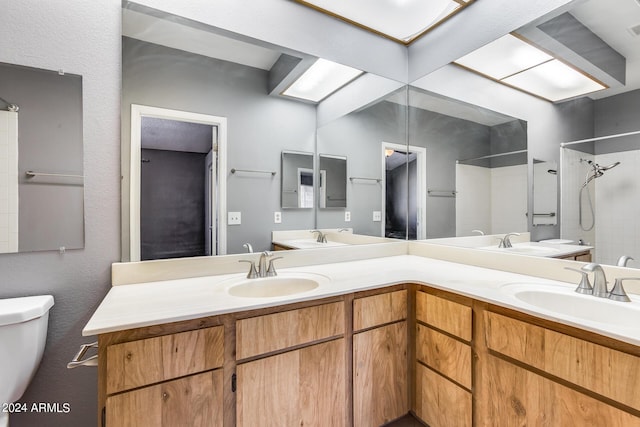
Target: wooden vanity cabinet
{"points": [[443, 365], [584, 256], [380, 344], [304, 383], [541, 373], [168, 380]]}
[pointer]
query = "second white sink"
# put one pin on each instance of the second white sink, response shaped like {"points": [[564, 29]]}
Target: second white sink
{"points": [[563, 301]]}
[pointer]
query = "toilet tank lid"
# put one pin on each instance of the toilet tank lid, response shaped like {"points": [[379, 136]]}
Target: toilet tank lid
{"points": [[17, 310]]}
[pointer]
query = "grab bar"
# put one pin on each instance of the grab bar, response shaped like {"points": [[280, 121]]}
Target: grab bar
{"points": [[364, 178], [32, 174], [234, 170], [90, 361]]}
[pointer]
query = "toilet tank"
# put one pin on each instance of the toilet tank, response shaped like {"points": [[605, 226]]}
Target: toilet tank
{"points": [[23, 334]]}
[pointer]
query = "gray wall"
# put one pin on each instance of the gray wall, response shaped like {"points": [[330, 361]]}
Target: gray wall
{"points": [[615, 115], [81, 38], [259, 128], [359, 136], [51, 211]]}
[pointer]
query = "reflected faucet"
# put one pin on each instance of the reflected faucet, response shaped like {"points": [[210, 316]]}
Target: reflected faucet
{"points": [[321, 237], [623, 260], [248, 247], [506, 241], [478, 231]]}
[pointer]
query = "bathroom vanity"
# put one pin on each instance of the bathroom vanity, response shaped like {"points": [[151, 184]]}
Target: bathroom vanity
{"points": [[444, 340]]}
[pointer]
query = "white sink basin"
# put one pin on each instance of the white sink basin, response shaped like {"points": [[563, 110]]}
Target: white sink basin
{"points": [[564, 302], [278, 286], [311, 244]]}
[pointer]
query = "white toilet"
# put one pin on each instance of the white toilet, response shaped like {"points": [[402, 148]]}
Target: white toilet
{"points": [[23, 333]]}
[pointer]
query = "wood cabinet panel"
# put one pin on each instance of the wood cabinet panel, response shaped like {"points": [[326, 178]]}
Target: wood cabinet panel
{"points": [[304, 387], [517, 397], [443, 314], [194, 401], [439, 402], [603, 370], [380, 390], [379, 309], [446, 355], [264, 334], [143, 362], [515, 339]]}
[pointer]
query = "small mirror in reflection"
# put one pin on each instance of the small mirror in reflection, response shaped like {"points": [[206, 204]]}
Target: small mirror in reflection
{"points": [[297, 180], [333, 181]]}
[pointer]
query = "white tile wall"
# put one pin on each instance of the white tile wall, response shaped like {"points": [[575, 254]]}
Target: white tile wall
{"points": [[491, 200], [509, 199], [473, 199], [8, 181], [545, 194]]}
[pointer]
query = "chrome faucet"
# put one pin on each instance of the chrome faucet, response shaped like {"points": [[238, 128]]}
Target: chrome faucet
{"points": [[623, 260], [599, 279], [505, 242], [263, 270], [248, 247], [480, 232], [321, 237]]}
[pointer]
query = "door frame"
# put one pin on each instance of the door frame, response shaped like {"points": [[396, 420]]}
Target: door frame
{"points": [[220, 225], [421, 186]]}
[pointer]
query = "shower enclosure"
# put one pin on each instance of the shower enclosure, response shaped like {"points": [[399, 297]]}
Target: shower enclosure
{"points": [[600, 185]]}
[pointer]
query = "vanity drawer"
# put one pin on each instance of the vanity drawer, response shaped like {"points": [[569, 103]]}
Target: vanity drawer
{"points": [[450, 357], [602, 370], [379, 309], [439, 402], [142, 362], [446, 315], [273, 332]]}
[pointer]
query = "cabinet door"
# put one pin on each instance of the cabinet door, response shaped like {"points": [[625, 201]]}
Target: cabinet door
{"points": [[380, 390], [304, 387], [194, 401]]}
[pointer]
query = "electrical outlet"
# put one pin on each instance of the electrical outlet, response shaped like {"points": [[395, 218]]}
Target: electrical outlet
{"points": [[277, 217], [347, 216], [234, 218], [377, 216]]}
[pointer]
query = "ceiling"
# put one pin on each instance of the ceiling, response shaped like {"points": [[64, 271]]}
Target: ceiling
{"points": [[611, 20]]}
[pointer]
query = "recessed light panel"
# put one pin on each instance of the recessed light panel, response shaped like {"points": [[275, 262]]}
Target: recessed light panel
{"points": [[506, 56], [554, 81], [400, 20], [321, 80], [515, 62]]}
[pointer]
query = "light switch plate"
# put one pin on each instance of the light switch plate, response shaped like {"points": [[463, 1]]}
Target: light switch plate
{"points": [[234, 218], [277, 217], [377, 216], [347, 216]]}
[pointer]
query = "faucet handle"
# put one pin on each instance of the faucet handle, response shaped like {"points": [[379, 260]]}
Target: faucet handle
{"points": [[271, 271], [253, 273], [618, 293], [501, 242], [584, 287]]}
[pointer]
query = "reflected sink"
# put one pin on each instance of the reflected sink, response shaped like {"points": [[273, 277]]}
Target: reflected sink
{"points": [[278, 286], [527, 248], [565, 302]]}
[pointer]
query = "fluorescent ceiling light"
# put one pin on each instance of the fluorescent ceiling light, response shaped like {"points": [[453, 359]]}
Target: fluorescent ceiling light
{"points": [[400, 20], [554, 81], [515, 62], [321, 80]]}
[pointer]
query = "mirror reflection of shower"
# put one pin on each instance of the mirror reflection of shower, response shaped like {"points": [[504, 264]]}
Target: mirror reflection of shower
{"points": [[596, 171], [600, 195]]}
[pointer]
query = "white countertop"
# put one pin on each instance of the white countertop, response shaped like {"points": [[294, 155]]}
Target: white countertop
{"points": [[152, 303]]}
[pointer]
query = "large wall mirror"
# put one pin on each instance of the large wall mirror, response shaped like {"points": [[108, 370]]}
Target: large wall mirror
{"points": [[41, 160]]}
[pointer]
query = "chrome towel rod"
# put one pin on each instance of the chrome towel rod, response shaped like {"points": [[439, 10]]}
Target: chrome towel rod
{"points": [[442, 193], [32, 174], [234, 170], [364, 178]]}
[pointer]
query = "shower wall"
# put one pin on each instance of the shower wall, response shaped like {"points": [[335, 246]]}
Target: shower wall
{"points": [[616, 201], [8, 181]]}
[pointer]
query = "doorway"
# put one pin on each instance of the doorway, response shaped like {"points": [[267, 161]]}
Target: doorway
{"points": [[177, 193], [404, 191]]}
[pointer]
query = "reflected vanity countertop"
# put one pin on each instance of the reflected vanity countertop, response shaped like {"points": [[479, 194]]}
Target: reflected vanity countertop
{"points": [[543, 249], [152, 303], [307, 243]]}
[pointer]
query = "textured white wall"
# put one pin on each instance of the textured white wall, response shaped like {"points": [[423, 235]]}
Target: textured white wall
{"points": [[509, 199], [8, 182], [81, 37], [473, 200]]}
